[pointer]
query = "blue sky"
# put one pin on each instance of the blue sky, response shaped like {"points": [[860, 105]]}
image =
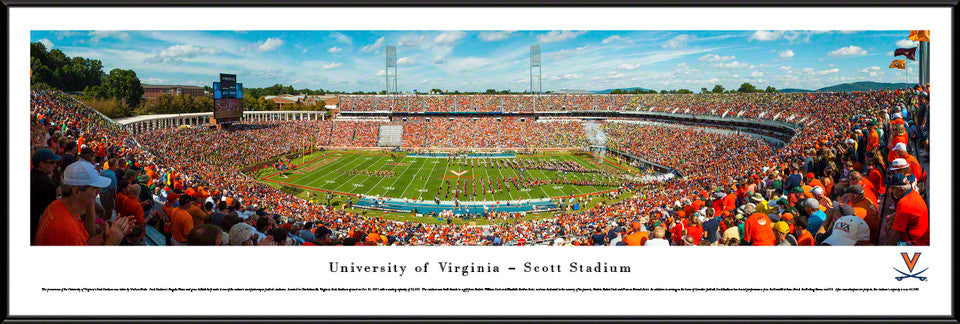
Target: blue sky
{"points": [[480, 60]]}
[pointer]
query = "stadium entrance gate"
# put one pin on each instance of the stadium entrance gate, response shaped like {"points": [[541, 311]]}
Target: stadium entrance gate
{"points": [[390, 136]]}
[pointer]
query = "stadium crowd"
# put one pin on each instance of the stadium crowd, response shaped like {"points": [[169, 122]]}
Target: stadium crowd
{"points": [[849, 177], [484, 103], [486, 132]]}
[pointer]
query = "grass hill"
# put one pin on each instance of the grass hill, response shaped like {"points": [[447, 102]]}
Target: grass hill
{"points": [[624, 89]]}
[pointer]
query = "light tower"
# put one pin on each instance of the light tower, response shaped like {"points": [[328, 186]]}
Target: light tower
{"points": [[391, 70], [535, 63]]}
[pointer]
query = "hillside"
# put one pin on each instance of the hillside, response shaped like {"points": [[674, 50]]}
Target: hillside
{"points": [[790, 90], [624, 89], [845, 87], [864, 86]]}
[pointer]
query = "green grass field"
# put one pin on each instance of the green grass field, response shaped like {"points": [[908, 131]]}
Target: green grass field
{"points": [[420, 178]]}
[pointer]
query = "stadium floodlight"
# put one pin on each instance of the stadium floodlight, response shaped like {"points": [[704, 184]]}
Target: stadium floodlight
{"points": [[535, 86], [391, 70]]}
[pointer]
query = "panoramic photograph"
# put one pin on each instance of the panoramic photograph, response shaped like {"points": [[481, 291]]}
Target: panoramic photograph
{"points": [[479, 138]]}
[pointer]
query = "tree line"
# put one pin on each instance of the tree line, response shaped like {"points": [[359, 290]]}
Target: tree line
{"points": [[746, 87]]}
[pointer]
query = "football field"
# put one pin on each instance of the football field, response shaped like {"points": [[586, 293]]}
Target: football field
{"points": [[466, 179]]}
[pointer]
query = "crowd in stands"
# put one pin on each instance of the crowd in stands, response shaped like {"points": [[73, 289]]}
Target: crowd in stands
{"points": [[484, 103], [851, 176], [505, 132]]}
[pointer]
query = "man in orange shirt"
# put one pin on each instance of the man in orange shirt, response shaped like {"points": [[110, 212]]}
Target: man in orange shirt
{"points": [[62, 224], [180, 222], [758, 230], [128, 203], [199, 215], [864, 208], [869, 190], [873, 138], [813, 181], [900, 152], [636, 237]]}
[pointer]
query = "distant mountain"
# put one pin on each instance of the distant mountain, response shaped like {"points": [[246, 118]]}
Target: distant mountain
{"points": [[624, 89], [845, 87], [865, 86], [788, 90]]}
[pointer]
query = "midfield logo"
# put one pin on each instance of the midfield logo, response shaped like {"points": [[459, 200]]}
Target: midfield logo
{"points": [[459, 173], [911, 262]]}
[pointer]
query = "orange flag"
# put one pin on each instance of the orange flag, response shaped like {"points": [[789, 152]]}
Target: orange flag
{"points": [[899, 64], [919, 35]]}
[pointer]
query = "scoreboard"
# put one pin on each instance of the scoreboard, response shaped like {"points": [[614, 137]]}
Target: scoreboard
{"points": [[227, 110], [227, 99]]}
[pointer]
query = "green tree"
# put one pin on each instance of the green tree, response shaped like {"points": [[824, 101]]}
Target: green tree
{"points": [[704, 90], [771, 89], [125, 86], [718, 89], [684, 91], [746, 87]]}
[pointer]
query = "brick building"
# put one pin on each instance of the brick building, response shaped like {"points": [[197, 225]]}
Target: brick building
{"points": [[152, 91]]}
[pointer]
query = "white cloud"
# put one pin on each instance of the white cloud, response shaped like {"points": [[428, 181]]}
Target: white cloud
{"points": [[381, 73], [848, 51], [677, 42], [66, 33], [556, 36], [304, 51], [332, 66], [341, 37], [495, 36], [609, 76], [269, 44], [153, 81], [566, 77], [785, 68], [732, 65], [785, 54], [890, 53], [871, 69], [46, 43], [628, 66], [763, 35], [833, 70], [448, 37], [97, 35], [412, 40], [756, 74], [438, 60], [715, 58], [177, 53], [373, 47], [334, 50], [405, 61], [610, 39], [906, 43]]}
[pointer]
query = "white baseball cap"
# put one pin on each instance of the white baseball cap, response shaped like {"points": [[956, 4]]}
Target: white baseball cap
{"points": [[898, 164], [84, 174], [817, 190], [848, 230], [900, 147]]}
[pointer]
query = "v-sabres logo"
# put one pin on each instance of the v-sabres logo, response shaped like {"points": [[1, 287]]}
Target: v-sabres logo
{"points": [[911, 262]]}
